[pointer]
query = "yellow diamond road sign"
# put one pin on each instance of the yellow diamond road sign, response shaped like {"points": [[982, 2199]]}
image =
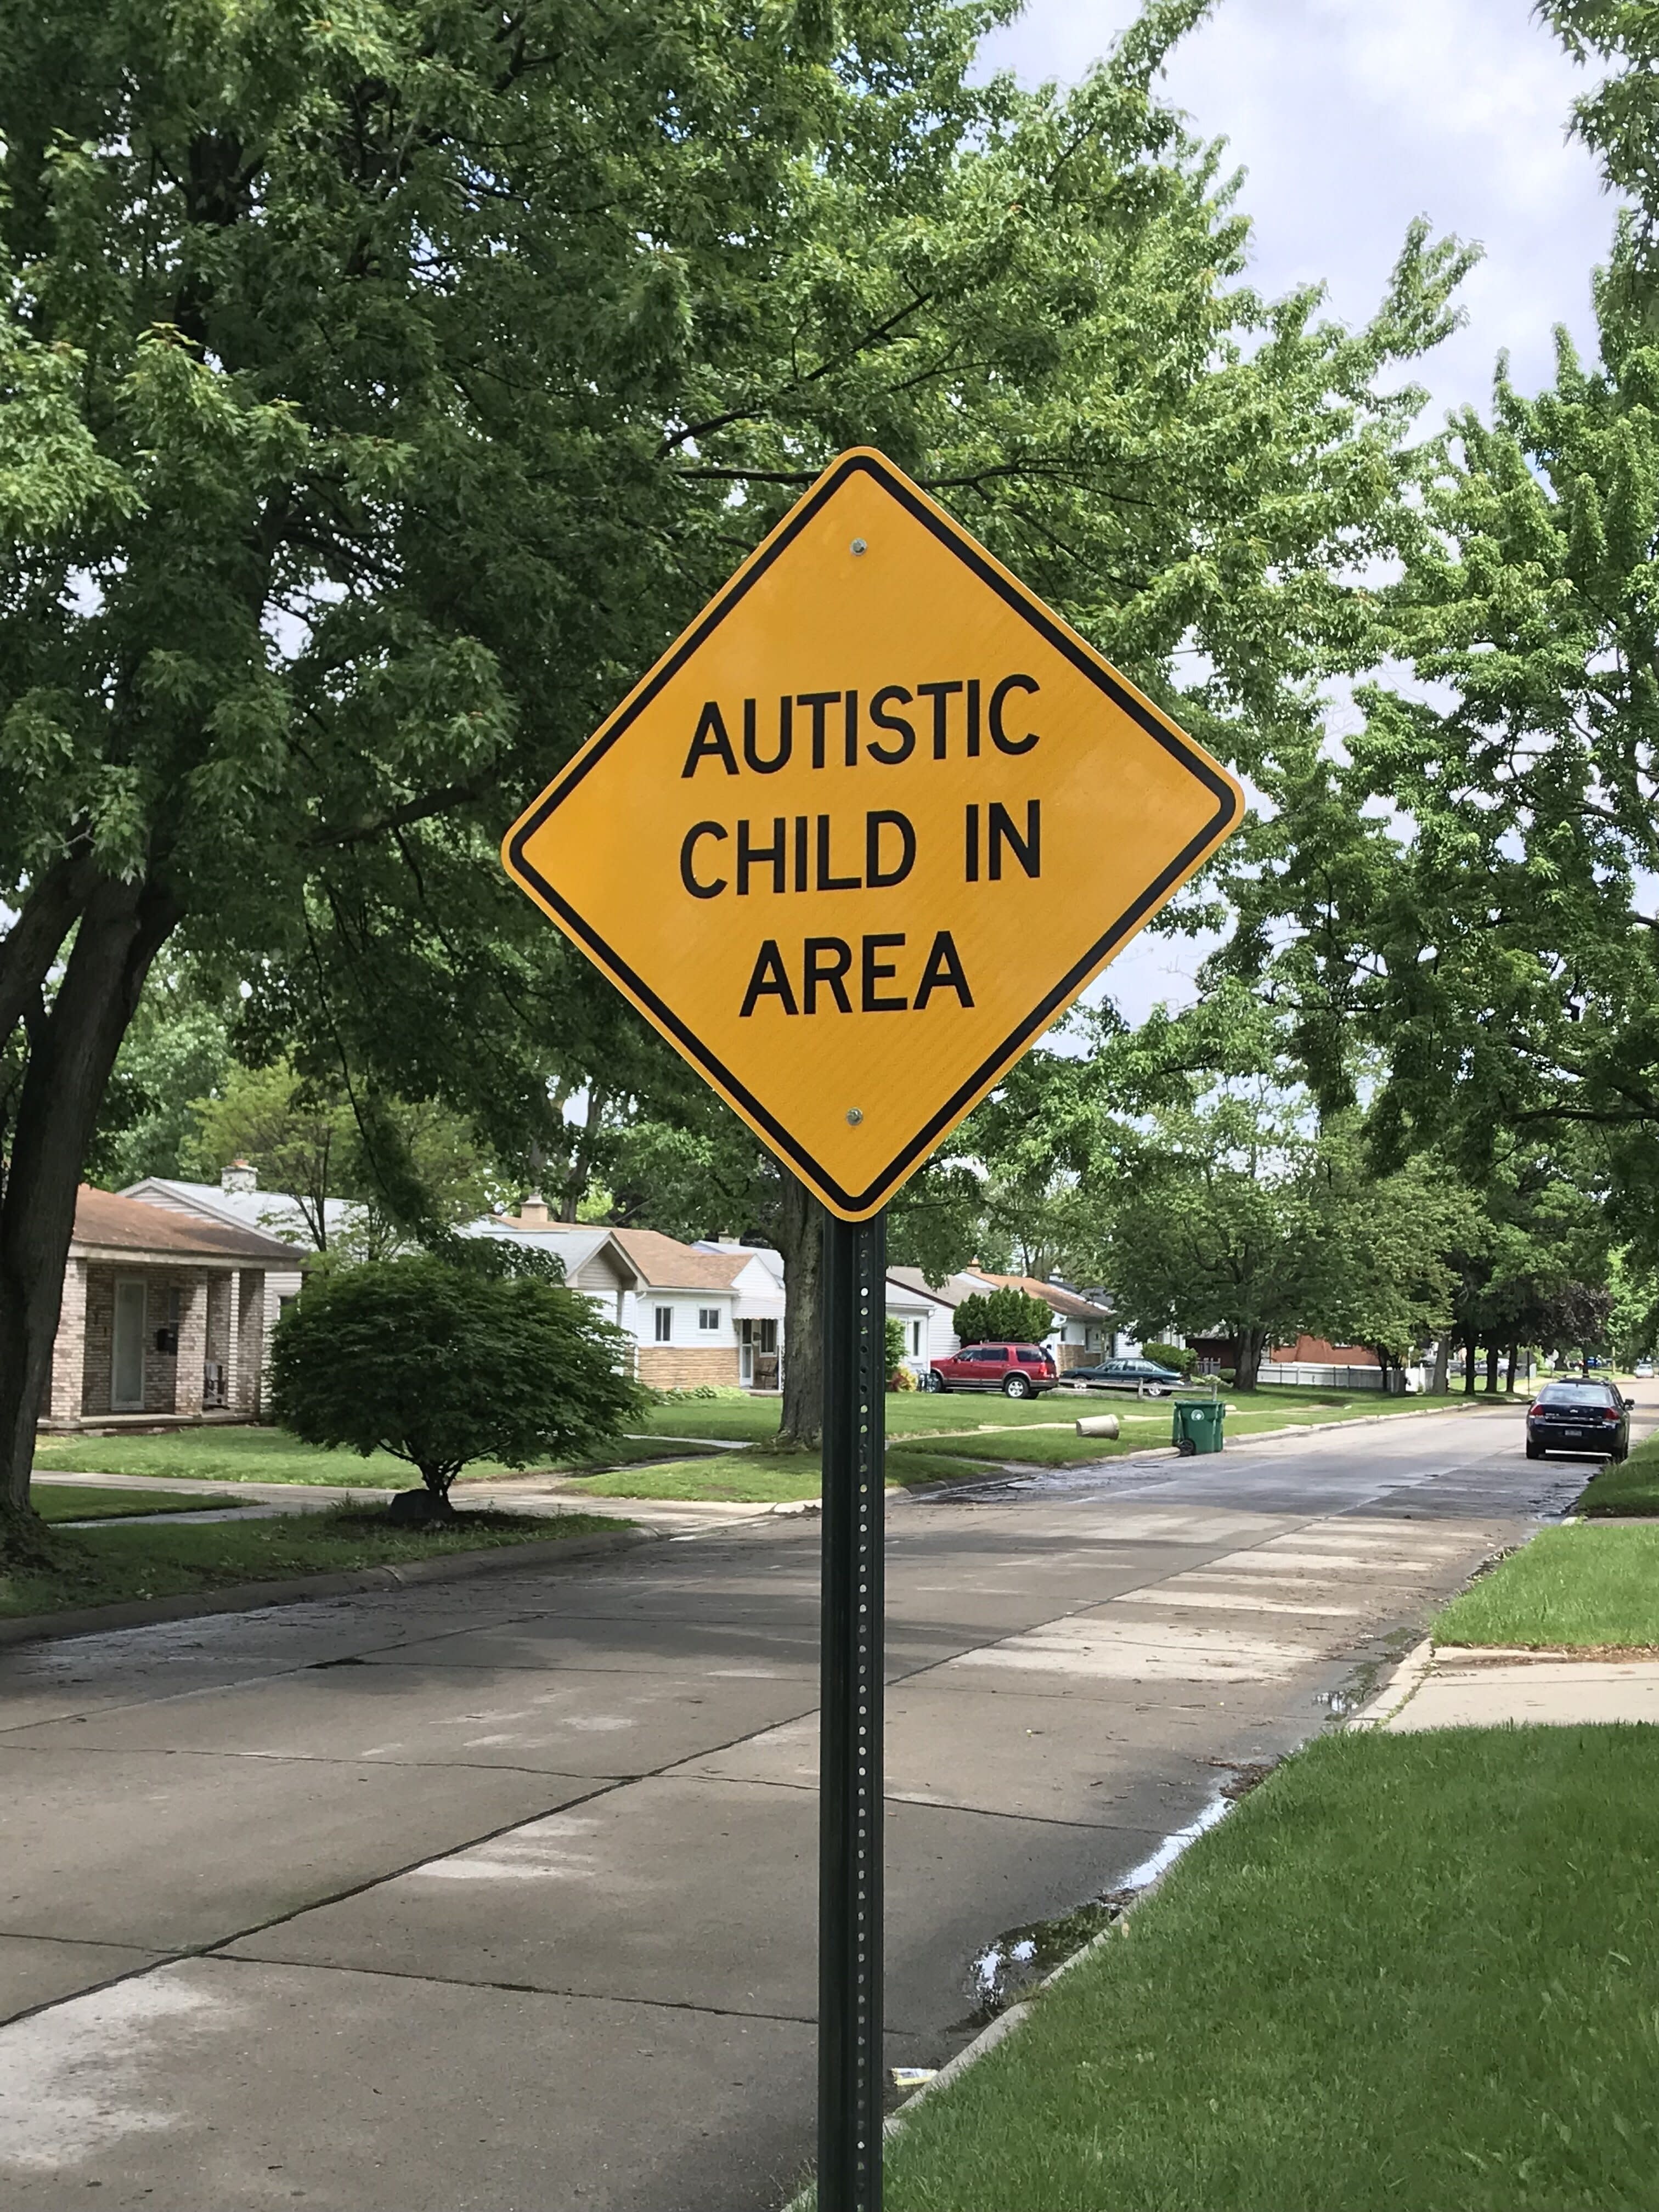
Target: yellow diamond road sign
{"points": [[866, 830]]}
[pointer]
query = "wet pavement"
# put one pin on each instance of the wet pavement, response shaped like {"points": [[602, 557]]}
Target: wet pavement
{"points": [[503, 1894]]}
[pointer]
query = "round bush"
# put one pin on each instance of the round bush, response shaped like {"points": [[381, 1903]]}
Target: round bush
{"points": [[441, 1364]]}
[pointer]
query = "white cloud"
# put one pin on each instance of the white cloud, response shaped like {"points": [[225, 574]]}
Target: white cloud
{"points": [[1350, 116]]}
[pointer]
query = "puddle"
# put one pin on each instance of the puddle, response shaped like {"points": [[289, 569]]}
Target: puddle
{"points": [[1011, 1967], [1366, 1677]]}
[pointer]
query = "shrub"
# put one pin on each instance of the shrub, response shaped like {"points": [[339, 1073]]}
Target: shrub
{"points": [[1006, 1315], [1229, 1374], [439, 1363], [1172, 1355], [894, 1336]]}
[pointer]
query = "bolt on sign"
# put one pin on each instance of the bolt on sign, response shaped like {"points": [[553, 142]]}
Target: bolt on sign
{"points": [[866, 830]]}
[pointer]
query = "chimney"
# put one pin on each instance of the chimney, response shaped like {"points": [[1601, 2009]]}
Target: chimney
{"points": [[533, 1214], [239, 1176]]}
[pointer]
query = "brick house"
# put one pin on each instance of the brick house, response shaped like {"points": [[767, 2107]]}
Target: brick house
{"points": [[162, 1319], [237, 1199]]}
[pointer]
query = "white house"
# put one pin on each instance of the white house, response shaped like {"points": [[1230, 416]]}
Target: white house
{"points": [[919, 1312], [1082, 1327], [708, 1312], [694, 1314], [1082, 1332]]}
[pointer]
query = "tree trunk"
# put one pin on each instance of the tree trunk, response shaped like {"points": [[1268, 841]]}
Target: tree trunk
{"points": [[1509, 1380], [1492, 1371], [1471, 1353], [1442, 1364], [72, 1049], [1248, 1349], [800, 1241]]}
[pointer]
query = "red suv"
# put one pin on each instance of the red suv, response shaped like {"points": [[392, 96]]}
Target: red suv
{"points": [[1018, 1370]]}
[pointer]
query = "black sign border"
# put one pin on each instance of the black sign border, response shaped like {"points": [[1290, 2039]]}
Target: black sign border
{"points": [[1228, 808]]}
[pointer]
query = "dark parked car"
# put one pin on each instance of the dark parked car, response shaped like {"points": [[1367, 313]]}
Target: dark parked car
{"points": [[1128, 1375], [1578, 1416], [1018, 1370]]}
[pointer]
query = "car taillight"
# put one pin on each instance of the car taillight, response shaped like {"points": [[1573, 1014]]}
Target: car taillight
{"points": [[1609, 1415]]}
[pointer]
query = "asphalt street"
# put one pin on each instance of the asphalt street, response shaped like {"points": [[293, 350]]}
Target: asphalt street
{"points": [[502, 1895]]}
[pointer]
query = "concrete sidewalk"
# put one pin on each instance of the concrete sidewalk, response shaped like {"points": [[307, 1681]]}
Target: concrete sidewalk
{"points": [[1492, 1686], [500, 1896]]}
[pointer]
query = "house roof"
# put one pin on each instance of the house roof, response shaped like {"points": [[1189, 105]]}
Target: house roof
{"points": [[657, 1262], [277, 1213], [1055, 1294], [950, 1293], [664, 1264], [106, 1222], [573, 1242]]}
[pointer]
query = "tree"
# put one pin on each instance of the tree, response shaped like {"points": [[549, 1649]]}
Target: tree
{"points": [[177, 1049], [1216, 1226], [304, 1136], [381, 392], [296, 1134], [1237, 1213], [441, 1364], [1465, 883], [1009, 1316]]}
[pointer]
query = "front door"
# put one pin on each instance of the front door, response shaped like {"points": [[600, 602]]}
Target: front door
{"points": [[126, 1390]]}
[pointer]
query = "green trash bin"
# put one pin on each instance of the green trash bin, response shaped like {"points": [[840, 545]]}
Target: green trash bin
{"points": [[1198, 1425]]}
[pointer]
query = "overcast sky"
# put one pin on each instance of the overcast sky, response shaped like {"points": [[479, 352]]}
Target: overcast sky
{"points": [[1349, 118]]}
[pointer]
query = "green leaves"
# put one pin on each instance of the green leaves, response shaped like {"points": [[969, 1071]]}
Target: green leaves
{"points": [[441, 1364]]}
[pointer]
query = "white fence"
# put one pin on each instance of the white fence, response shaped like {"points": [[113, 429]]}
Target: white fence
{"points": [[1304, 1371]]}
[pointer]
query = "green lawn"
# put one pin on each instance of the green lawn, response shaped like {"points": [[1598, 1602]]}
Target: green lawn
{"points": [[258, 1455], [922, 1414], [747, 1478], [1580, 1585], [962, 1425], [137, 1559], [1408, 1971], [1632, 1489], [76, 1501]]}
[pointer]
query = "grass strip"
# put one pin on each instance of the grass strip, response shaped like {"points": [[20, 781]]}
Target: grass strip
{"points": [[1001, 1429], [82, 1501], [140, 1559], [713, 1477], [922, 1414], [1410, 1969], [261, 1454], [1577, 1586], [1631, 1490]]}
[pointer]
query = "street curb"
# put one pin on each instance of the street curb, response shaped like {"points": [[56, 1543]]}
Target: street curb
{"points": [[253, 1597], [1401, 1686], [1006, 2022]]}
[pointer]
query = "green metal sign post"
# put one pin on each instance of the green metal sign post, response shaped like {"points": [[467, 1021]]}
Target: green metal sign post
{"points": [[850, 2069]]}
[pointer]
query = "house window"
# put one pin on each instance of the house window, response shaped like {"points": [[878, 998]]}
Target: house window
{"points": [[768, 1336], [708, 1317], [664, 1323], [916, 1340]]}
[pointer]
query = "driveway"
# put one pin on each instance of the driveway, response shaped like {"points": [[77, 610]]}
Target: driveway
{"points": [[503, 1894]]}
